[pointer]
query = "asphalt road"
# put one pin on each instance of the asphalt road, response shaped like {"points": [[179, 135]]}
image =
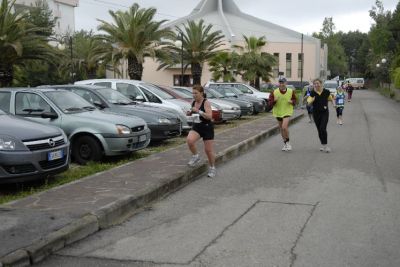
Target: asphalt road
{"points": [[273, 208]]}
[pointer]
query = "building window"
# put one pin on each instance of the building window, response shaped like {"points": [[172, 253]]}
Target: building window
{"points": [[288, 65], [275, 68], [187, 80], [300, 65]]}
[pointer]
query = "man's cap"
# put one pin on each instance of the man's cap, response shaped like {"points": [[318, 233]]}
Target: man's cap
{"points": [[282, 80]]}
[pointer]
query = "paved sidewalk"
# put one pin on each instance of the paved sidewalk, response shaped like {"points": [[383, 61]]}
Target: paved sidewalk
{"points": [[34, 227]]}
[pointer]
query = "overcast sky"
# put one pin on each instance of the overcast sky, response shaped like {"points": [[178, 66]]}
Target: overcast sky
{"points": [[305, 16]]}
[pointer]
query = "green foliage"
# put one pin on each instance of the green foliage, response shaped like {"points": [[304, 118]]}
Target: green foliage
{"points": [[253, 63], [199, 43], [223, 66], [41, 16], [19, 42], [396, 78], [133, 36]]}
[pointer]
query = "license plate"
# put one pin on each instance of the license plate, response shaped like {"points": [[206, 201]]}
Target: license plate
{"points": [[58, 154], [142, 138]]}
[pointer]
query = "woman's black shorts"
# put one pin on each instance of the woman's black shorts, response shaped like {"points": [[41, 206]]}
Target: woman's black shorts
{"points": [[205, 130]]}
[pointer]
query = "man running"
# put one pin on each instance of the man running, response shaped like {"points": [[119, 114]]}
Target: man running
{"points": [[283, 100]]}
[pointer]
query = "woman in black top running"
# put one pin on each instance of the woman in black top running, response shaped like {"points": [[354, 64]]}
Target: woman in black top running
{"points": [[319, 98], [203, 127]]}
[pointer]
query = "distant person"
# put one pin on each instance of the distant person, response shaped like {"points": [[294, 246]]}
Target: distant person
{"points": [[319, 98], [307, 93], [283, 100], [203, 127], [340, 99], [349, 89]]}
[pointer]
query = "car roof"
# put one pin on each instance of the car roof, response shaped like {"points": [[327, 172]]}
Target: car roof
{"points": [[31, 89], [85, 86], [110, 80]]}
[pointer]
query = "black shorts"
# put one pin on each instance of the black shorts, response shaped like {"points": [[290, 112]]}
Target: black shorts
{"points": [[205, 130], [281, 118]]}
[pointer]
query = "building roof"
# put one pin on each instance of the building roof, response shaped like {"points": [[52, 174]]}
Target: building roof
{"points": [[225, 15]]}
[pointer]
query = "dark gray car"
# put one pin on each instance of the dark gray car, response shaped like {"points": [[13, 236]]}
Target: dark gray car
{"points": [[162, 124], [231, 92], [246, 107], [29, 150]]}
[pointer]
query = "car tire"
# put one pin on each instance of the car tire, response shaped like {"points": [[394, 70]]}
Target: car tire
{"points": [[85, 149], [253, 111]]}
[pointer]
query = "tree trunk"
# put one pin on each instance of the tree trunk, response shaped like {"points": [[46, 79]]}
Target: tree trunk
{"points": [[257, 82], [6, 75], [91, 73], [196, 73], [135, 69]]}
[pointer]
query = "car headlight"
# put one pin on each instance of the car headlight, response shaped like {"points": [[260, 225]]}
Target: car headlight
{"points": [[249, 105], [164, 121], [235, 108], [122, 129], [8, 143]]}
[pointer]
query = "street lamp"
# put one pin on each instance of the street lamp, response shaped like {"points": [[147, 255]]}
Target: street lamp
{"points": [[179, 43]]}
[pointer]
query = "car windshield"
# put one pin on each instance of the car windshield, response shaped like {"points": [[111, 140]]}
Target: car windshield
{"points": [[183, 94], [115, 97], [226, 91], [155, 90], [69, 102], [211, 93], [237, 91], [330, 85]]}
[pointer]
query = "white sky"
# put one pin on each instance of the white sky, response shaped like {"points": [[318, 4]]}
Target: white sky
{"points": [[304, 16]]}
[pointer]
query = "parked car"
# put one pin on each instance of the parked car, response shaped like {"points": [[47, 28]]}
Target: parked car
{"points": [[331, 85], [142, 92], [163, 124], [229, 110], [216, 110], [29, 150], [92, 133], [246, 107], [244, 88], [231, 92]]}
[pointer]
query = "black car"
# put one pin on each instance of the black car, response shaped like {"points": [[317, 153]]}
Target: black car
{"points": [[29, 150], [162, 124]]}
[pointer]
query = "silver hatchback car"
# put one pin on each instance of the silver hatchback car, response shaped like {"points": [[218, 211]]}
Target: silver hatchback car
{"points": [[92, 133], [30, 150]]}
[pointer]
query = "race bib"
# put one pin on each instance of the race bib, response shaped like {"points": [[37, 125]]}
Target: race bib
{"points": [[341, 101]]}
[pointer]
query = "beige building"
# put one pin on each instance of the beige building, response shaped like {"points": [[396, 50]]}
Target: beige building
{"points": [[63, 10], [285, 44]]}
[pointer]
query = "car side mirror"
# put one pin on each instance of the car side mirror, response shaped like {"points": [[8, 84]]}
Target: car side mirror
{"points": [[99, 105], [49, 115], [139, 98]]}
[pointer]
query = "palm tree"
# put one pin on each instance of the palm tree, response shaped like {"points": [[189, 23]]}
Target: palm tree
{"points": [[88, 51], [199, 45], [134, 36], [224, 65], [19, 42], [253, 63]]}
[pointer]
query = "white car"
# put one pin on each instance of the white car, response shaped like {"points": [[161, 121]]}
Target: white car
{"points": [[145, 93], [332, 86]]}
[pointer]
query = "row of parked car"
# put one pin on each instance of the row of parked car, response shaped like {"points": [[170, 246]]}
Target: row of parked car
{"points": [[95, 118]]}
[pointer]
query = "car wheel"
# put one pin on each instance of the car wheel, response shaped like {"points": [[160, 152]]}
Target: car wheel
{"points": [[253, 110], [85, 149]]}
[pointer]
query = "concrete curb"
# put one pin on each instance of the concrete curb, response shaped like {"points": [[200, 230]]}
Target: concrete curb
{"points": [[123, 208]]}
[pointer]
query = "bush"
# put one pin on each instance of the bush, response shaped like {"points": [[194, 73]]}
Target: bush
{"points": [[396, 78]]}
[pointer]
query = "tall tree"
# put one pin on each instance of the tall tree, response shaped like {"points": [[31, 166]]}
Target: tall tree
{"points": [[337, 61], [254, 64], [199, 43], [19, 42], [134, 36]]}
